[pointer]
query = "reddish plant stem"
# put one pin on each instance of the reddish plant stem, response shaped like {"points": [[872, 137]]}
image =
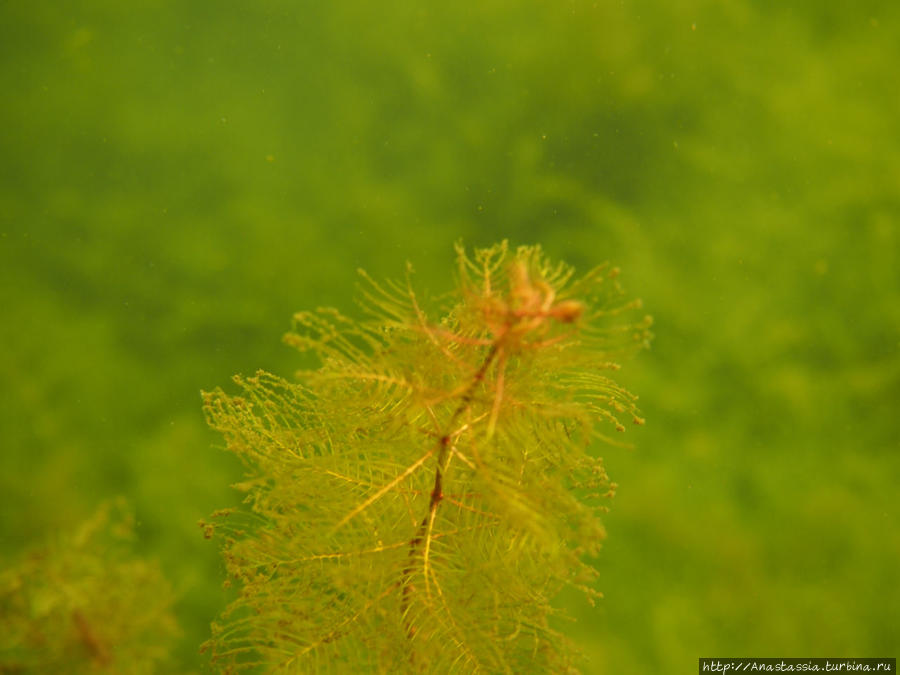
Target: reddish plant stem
{"points": [[437, 492]]}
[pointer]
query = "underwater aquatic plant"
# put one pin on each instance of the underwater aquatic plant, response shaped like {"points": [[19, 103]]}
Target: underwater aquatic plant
{"points": [[86, 604], [415, 503]]}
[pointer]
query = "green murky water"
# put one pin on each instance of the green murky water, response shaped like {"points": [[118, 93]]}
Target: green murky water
{"points": [[177, 178]]}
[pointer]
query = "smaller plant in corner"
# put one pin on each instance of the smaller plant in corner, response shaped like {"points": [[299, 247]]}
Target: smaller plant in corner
{"points": [[85, 603], [416, 502]]}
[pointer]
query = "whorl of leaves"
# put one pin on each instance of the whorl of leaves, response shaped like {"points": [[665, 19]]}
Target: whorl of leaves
{"points": [[415, 503]]}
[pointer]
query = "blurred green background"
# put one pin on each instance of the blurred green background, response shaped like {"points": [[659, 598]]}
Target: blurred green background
{"points": [[177, 178]]}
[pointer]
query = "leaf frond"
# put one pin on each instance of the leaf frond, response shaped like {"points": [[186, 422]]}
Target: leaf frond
{"points": [[414, 503]]}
